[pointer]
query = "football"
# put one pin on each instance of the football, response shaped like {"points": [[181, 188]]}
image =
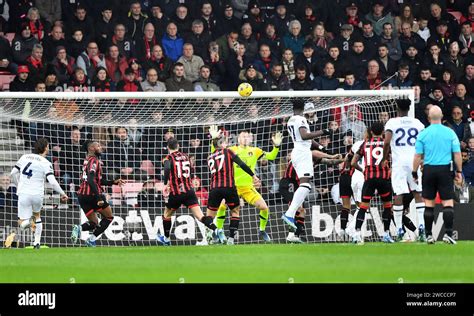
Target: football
{"points": [[245, 89]]}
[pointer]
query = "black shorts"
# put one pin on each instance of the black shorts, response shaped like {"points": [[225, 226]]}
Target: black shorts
{"points": [[188, 199], [217, 194], [345, 188], [287, 189], [383, 187], [438, 179], [88, 203]]}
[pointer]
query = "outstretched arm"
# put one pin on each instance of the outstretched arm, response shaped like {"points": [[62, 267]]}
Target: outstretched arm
{"points": [[54, 183], [242, 165], [305, 135]]}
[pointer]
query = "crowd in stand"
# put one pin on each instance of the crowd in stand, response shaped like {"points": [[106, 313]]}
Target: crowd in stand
{"points": [[213, 45]]}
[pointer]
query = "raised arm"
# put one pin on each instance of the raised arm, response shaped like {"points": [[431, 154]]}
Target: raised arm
{"points": [[305, 135]]}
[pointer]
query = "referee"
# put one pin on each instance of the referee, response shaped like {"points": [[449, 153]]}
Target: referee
{"points": [[436, 145]]}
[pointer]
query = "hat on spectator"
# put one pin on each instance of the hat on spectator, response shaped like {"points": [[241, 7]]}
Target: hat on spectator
{"points": [[347, 27], [250, 66], [60, 47], [308, 106], [25, 26], [253, 4], [133, 61], [437, 86], [442, 22], [351, 5], [378, 2], [22, 69]]}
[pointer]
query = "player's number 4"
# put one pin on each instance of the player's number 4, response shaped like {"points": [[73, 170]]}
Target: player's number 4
{"points": [[26, 172]]}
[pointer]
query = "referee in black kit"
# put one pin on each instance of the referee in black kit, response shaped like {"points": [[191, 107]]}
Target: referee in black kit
{"points": [[437, 145]]}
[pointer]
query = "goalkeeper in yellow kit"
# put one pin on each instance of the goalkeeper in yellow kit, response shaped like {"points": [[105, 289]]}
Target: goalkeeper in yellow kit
{"points": [[244, 183]]}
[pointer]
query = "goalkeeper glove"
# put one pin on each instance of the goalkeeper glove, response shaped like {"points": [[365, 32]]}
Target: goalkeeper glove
{"points": [[277, 139], [214, 131]]}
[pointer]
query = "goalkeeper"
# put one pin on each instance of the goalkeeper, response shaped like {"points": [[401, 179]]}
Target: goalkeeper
{"points": [[244, 183]]}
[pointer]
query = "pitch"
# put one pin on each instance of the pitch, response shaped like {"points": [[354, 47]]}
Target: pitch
{"points": [[307, 263]]}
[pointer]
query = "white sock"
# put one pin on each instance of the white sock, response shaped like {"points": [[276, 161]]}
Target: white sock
{"points": [[398, 215], [92, 237], [298, 198], [420, 211], [291, 235], [25, 224], [38, 231]]}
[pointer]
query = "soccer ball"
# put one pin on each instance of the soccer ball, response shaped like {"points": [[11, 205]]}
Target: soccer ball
{"points": [[245, 89]]}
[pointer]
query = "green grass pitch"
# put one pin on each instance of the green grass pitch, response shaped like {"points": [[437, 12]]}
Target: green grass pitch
{"points": [[314, 263]]}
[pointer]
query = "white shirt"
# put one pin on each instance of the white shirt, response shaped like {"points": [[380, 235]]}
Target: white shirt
{"points": [[404, 130], [33, 171], [294, 124]]}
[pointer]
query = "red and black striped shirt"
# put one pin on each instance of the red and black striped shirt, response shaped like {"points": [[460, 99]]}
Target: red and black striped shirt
{"points": [[180, 173], [372, 150], [222, 169], [290, 173], [346, 165], [91, 163]]}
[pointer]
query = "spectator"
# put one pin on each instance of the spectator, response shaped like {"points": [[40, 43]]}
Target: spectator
{"points": [[254, 77], [345, 40], [327, 81], [264, 60], [123, 158], [135, 132], [204, 83], [454, 61], [199, 39], [71, 158], [288, 64], [123, 42], [456, 122], [294, 40], [104, 27], [434, 60], [339, 63], [441, 36], [211, 24], [129, 83], [249, 40], [374, 76], [227, 23], [351, 83], [115, 63], [351, 122], [301, 81], [172, 43], [241, 6], [77, 43], [413, 61], [446, 83], [351, 17], [102, 82], [437, 15], [378, 18], [370, 39], [464, 101], [283, 22], [22, 81], [407, 17], [151, 83], [79, 81], [468, 78], [81, 21], [182, 21], [51, 80], [402, 79], [22, 44], [468, 167], [320, 39], [236, 62], [40, 86], [90, 59], [17, 11], [310, 19], [228, 43], [217, 65], [437, 98], [6, 57], [254, 17], [136, 21], [158, 19], [466, 39], [35, 63], [63, 65], [191, 62], [150, 198], [160, 63], [309, 60], [39, 27], [469, 17], [358, 59], [392, 42], [423, 29], [409, 38], [387, 65], [177, 82], [8, 196], [277, 80], [52, 42], [145, 45]]}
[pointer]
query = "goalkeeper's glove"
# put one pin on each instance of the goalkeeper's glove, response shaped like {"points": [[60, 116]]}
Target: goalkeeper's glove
{"points": [[214, 131], [277, 138]]}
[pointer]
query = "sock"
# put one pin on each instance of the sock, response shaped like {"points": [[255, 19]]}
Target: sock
{"points": [[167, 226], [420, 211], [344, 217], [299, 221], [104, 223], [360, 217], [234, 226], [38, 231], [220, 216], [263, 219], [88, 226], [206, 220], [398, 215], [298, 198], [429, 218], [25, 224], [387, 217], [408, 223], [448, 218]]}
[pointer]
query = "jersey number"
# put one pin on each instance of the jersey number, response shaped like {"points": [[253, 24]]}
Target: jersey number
{"points": [[291, 128], [26, 172], [377, 154], [212, 163], [183, 169], [410, 140]]}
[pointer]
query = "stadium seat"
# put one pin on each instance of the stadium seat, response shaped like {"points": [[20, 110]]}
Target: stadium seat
{"points": [[457, 15], [148, 167], [130, 192], [116, 198], [5, 79]]}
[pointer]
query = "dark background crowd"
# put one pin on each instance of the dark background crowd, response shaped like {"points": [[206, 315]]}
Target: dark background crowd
{"points": [[199, 45]]}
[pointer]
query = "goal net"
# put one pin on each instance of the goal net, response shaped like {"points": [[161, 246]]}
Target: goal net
{"points": [[133, 130]]}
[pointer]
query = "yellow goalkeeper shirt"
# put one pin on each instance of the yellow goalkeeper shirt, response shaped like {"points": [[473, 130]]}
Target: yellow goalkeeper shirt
{"points": [[249, 155]]}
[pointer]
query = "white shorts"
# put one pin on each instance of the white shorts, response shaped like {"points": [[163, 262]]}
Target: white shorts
{"points": [[303, 163], [29, 204], [403, 182], [357, 182]]}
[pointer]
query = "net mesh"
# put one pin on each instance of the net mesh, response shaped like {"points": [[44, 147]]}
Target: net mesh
{"points": [[133, 129]]}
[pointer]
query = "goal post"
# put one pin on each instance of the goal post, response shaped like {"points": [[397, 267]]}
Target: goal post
{"points": [[133, 129]]}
